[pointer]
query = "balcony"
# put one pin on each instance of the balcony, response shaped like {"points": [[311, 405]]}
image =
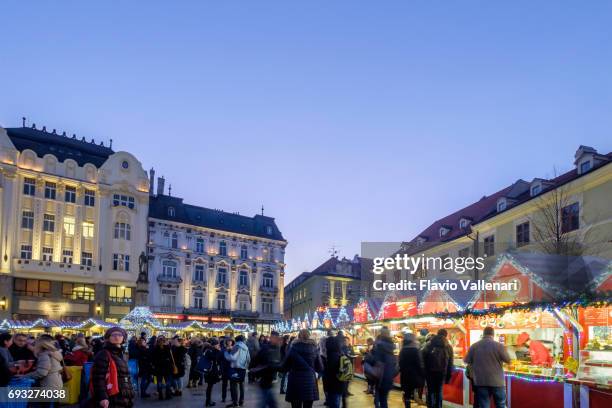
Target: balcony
{"points": [[166, 309], [245, 288], [196, 310], [244, 313], [268, 289], [199, 282], [52, 268], [169, 279]]}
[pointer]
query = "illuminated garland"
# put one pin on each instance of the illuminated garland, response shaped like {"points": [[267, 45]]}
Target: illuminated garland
{"points": [[527, 378]]}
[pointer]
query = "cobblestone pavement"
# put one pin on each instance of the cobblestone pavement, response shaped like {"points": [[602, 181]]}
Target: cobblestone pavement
{"points": [[195, 398]]}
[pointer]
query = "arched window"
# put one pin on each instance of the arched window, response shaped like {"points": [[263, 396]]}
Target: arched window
{"points": [[222, 248], [169, 268], [198, 299], [174, 240], [244, 253], [268, 280], [167, 239], [123, 231], [243, 279], [171, 212]]}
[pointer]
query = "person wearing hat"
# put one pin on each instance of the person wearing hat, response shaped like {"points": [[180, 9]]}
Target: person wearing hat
{"points": [[539, 353], [110, 376]]}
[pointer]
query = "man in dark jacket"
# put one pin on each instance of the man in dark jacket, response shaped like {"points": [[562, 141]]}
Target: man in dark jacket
{"points": [[113, 350], [265, 367], [20, 349], [213, 354], [333, 387], [438, 360]]}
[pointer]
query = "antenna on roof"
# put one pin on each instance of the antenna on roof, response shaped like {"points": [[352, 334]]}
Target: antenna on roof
{"points": [[111, 144], [23, 121], [262, 209], [169, 190], [333, 251]]}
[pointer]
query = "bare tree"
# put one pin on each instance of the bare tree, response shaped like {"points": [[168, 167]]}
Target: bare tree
{"points": [[551, 223]]}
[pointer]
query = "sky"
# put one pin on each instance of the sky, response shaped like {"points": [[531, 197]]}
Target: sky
{"points": [[348, 121]]}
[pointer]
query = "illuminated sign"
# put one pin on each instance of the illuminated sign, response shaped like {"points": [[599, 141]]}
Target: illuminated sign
{"points": [[220, 319], [168, 316]]}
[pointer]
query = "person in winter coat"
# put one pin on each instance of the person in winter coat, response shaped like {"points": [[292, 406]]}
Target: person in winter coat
{"points": [[20, 349], [48, 364], [412, 374], [239, 359], [368, 352], [80, 353], [265, 367], [212, 353], [284, 349], [195, 352], [485, 358], [253, 345], [178, 354], [334, 388], [162, 367], [438, 363], [6, 340], [383, 353], [302, 364], [145, 367], [102, 373], [225, 366]]}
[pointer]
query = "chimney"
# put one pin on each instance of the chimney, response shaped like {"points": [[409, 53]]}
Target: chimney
{"points": [[151, 181], [160, 185]]}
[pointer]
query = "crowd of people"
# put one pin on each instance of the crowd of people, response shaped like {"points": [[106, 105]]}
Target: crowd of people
{"points": [[424, 363]]}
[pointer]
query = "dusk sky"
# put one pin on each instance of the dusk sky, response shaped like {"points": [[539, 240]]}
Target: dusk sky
{"points": [[349, 121]]}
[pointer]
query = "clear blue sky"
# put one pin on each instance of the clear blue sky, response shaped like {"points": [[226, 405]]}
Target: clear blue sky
{"points": [[349, 121]]}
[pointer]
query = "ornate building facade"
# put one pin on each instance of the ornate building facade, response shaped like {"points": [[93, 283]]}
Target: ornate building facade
{"points": [[211, 265], [73, 224]]}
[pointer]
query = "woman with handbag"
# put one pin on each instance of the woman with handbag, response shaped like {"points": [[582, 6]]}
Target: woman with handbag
{"points": [[110, 376], [163, 368], [49, 365], [302, 363], [178, 353]]}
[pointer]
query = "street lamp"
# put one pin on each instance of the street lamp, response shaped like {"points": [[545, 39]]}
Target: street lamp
{"points": [[3, 303], [98, 309]]}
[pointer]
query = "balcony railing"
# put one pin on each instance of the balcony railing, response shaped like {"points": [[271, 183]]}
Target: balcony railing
{"points": [[169, 279], [244, 313], [166, 309], [197, 281], [268, 289]]}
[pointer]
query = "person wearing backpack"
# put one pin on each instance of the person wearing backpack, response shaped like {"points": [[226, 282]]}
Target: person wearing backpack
{"points": [[438, 361], [412, 376], [302, 364]]}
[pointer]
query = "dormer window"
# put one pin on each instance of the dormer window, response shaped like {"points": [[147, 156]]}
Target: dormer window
{"points": [[171, 212], [501, 204], [421, 240], [585, 167], [444, 231], [536, 189], [463, 223]]}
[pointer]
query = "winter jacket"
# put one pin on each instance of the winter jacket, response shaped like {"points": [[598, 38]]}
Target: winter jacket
{"points": [[224, 364], [145, 364], [195, 352], [268, 357], [212, 376], [239, 357], [99, 381], [302, 363], [179, 352], [48, 370], [162, 362], [411, 367], [331, 383], [383, 351], [253, 346], [438, 342], [486, 357], [78, 357], [5, 373]]}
